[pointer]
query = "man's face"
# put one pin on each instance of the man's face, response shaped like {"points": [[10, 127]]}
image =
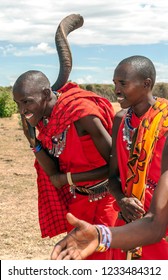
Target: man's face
{"points": [[129, 86], [31, 103]]}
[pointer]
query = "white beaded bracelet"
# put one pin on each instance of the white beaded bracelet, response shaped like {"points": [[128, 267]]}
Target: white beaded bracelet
{"points": [[105, 238], [69, 179]]}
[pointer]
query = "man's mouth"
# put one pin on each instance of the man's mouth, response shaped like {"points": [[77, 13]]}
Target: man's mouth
{"points": [[28, 116]]}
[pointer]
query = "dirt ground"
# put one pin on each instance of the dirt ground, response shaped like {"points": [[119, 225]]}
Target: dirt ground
{"points": [[19, 229]]}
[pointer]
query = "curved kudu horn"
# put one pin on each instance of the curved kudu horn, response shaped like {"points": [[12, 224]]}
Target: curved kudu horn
{"points": [[67, 25]]}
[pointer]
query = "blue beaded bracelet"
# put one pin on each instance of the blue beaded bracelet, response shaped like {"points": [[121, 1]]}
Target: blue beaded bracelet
{"points": [[37, 148]]}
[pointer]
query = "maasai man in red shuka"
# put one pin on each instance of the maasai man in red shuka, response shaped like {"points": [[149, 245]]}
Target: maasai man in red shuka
{"points": [[139, 144], [77, 120], [73, 146]]}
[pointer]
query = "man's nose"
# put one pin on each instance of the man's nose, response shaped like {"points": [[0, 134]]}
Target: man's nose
{"points": [[22, 109], [117, 89]]}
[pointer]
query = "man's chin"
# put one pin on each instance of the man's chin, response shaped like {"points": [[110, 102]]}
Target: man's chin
{"points": [[124, 106]]}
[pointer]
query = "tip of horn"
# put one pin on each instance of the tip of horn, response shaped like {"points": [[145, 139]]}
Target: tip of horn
{"points": [[76, 17], [67, 25]]}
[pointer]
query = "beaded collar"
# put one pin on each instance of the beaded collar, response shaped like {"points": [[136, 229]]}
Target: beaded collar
{"points": [[128, 129]]}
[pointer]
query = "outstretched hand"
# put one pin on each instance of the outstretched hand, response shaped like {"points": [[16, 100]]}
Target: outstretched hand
{"points": [[78, 244]]}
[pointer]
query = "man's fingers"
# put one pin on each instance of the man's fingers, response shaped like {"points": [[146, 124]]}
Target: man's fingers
{"points": [[63, 255], [24, 124], [72, 220], [67, 257], [139, 205], [57, 250], [23, 120], [75, 222], [136, 206], [135, 211], [138, 202], [67, 254]]}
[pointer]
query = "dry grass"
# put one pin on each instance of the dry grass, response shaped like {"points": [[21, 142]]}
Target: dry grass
{"points": [[20, 233]]}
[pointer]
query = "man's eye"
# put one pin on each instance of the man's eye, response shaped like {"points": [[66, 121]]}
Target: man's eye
{"points": [[27, 101]]}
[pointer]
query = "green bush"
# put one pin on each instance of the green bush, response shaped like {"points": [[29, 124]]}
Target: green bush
{"points": [[161, 90], [7, 105], [104, 90]]}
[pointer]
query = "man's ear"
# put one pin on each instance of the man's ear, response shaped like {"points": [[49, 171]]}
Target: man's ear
{"points": [[147, 83], [47, 93]]}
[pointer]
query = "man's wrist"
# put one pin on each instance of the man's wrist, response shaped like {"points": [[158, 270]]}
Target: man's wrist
{"points": [[34, 143], [37, 147], [120, 200]]}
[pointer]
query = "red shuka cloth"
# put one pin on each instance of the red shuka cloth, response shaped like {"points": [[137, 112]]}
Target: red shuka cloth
{"points": [[157, 251], [79, 155]]}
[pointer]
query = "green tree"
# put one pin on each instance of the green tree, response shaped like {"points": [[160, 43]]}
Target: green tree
{"points": [[7, 105]]}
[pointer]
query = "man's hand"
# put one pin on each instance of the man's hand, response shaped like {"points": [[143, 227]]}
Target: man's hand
{"points": [[80, 243], [32, 139], [131, 208]]}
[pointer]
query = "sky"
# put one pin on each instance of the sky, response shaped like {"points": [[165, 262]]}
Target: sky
{"points": [[112, 31]]}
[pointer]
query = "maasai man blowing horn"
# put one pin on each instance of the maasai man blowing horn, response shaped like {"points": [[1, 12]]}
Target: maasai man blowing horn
{"points": [[72, 149]]}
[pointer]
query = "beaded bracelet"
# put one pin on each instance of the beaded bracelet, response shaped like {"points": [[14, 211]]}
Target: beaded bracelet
{"points": [[37, 148], [104, 238], [69, 179]]}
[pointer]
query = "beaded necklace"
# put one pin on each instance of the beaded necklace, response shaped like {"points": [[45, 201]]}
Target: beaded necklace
{"points": [[58, 143], [128, 129], [59, 140]]}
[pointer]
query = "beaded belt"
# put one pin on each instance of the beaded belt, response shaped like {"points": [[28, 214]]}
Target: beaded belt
{"points": [[94, 193]]}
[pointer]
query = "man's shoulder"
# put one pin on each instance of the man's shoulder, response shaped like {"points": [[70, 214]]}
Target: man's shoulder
{"points": [[117, 120], [121, 113]]}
